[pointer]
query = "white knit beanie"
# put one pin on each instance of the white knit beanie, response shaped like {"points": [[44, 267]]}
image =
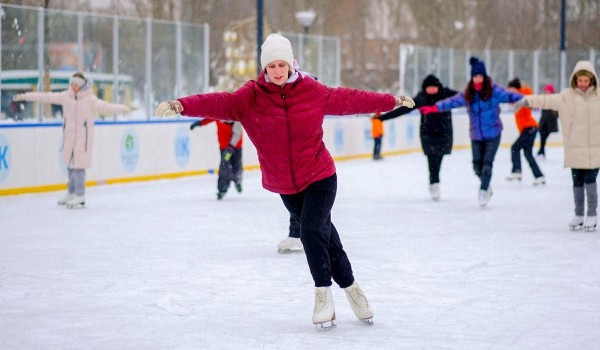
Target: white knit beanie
{"points": [[276, 47]]}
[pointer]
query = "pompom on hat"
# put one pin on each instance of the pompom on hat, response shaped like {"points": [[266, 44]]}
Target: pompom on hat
{"points": [[549, 88], [477, 67], [276, 47]]}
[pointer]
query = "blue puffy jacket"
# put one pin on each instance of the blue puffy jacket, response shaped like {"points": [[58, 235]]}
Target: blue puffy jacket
{"points": [[484, 116]]}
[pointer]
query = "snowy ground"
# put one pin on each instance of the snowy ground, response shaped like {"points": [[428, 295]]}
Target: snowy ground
{"points": [[163, 265]]}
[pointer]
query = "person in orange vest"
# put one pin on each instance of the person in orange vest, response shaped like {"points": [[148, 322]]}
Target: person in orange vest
{"points": [[230, 144], [377, 133], [528, 129]]}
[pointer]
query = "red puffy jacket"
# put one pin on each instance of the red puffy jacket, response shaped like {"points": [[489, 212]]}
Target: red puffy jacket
{"points": [[285, 123]]}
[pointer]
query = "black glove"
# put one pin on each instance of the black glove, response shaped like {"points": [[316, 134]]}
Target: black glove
{"points": [[228, 152], [194, 124]]}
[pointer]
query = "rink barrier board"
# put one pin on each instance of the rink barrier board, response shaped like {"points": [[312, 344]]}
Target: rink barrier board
{"points": [[137, 151]]}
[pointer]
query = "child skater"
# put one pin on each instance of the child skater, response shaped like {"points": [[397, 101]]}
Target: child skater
{"points": [[578, 107], [282, 112]]}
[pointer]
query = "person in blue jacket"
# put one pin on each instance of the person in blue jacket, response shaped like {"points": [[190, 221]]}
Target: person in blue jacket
{"points": [[482, 98]]}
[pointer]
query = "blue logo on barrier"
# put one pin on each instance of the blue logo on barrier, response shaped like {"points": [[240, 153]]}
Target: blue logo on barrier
{"points": [[5, 157], [182, 146], [410, 131], [390, 135], [130, 150], [338, 137]]}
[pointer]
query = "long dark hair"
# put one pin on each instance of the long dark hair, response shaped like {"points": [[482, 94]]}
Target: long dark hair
{"points": [[485, 93]]}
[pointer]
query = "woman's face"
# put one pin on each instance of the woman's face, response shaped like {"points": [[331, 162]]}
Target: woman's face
{"points": [[583, 82], [278, 72], [75, 87], [432, 90], [478, 79]]}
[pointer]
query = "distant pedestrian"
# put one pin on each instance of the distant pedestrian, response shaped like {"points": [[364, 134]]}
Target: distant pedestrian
{"points": [[377, 133]]}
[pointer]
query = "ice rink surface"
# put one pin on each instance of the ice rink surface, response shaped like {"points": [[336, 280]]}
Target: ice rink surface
{"points": [[164, 265]]}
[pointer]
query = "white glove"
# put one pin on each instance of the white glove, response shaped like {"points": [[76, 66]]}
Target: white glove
{"points": [[520, 104], [169, 108], [19, 97], [404, 101]]}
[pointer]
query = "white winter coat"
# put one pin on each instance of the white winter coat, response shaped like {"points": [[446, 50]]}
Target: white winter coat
{"points": [[79, 112], [579, 115]]}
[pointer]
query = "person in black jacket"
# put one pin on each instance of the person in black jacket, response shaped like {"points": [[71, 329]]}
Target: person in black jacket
{"points": [[435, 131], [548, 123]]}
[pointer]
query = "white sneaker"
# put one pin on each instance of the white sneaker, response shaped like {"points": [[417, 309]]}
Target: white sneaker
{"points": [[576, 222], [539, 181], [290, 244], [590, 223], [359, 303], [324, 310], [514, 176], [75, 201], [66, 198], [434, 191]]}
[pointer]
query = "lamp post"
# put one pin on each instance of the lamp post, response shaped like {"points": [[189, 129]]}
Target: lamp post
{"points": [[306, 19]]}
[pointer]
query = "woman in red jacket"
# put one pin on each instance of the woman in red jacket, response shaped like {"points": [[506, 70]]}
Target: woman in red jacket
{"points": [[282, 113]]}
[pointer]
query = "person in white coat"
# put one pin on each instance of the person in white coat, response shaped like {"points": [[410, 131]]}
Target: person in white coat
{"points": [[579, 114], [80, 106]]}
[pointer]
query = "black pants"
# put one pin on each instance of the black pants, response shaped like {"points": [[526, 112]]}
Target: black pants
{"points": [[231, 170], [544, 133], [324, 252], [525, 142], [484, 152], [294, 227], [435, 164], [583, 176]]}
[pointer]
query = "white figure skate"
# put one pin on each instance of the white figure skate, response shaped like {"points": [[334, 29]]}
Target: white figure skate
{"points": [[75, 202], [514, 176], [290, 245], [539, 181], [484, 196], [576, 223], [434, 191], [590, 223], [359, 303], [324, 311], [67, 197]]}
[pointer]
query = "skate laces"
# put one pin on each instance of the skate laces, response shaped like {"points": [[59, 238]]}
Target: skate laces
{"points": [[357, 297], [320, 300]]}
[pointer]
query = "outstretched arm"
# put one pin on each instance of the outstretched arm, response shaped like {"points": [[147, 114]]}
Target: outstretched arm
{"points": [[400, 111], [44, 97]]}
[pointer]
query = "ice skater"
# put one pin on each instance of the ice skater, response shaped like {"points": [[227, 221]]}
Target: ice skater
{"points": [[527, 127], [482, 98], [80, 106], [548, 124], [282, 112], [231, 168], [579, 109], [377, 134], [435, 131]]}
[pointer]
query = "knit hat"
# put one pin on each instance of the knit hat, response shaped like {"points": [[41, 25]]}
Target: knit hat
{"points": [[431, 80], [549, 88], [515, 83], [276, 47], [477, 67]]}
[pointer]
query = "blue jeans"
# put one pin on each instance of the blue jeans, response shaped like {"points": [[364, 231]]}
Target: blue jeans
{"points": [[484, 152], [324, 252]]}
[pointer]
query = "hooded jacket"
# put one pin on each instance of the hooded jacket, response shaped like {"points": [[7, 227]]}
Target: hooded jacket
{"points": [[484, 116], [579, 116], [285, 124], [79, 113]]}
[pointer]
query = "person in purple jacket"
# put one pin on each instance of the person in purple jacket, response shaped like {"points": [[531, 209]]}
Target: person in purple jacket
{"points": [[282, 112], [482, 98]]}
